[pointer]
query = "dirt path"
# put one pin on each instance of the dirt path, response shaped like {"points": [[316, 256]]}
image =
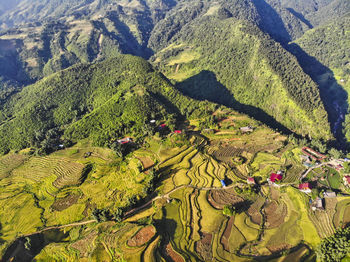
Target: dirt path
{"points": [[310, 169], [63, 226]]}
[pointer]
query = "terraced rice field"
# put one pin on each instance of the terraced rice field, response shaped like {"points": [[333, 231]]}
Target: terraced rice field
{"points": [[9, 163], [183, 221], [195, 227], [341, 217]]}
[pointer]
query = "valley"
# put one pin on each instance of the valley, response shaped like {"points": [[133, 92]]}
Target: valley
{"points": [[173, 130]]}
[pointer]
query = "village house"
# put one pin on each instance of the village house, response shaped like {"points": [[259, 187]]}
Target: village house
{"points": [[251, 181], [329, 194], [124, 140], [313, 154], [346, 180], [275, 178], [317, 204], [305, 187], [246, 129]]}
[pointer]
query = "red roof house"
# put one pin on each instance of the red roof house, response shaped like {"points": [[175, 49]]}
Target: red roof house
{"points": [[250, 180], [162, 125], [305, 187], [177, 131], [275, 177], [124, 140], [346, 180]]}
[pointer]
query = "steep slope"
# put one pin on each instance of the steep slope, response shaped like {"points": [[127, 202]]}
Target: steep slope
{"points": [[324, 53], [332, 11], [102, 101], [287, 20], [248, 67], [28, 11], [97, 30]]}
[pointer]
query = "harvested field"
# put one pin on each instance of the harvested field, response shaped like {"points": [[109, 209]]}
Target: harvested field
{"points": [[219, 199], [278, 248], [146, 162], [174, 256], [346, 217], [254, 210], [339, 214], [142, 236], [226, 235], [275, 193], [63, 203], [228, 152], [322, 223], [204, 246], [275, 214], [84, 245], [10, 162]]}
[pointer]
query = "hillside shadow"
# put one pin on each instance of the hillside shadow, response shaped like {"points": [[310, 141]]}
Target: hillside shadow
{"points": [[271, 22], [126, 40], [300, 17], [18, 251], [205, 86], [332, 94], [166, 228]]}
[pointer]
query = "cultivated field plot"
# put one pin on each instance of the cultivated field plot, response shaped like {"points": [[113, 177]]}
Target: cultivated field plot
{"points": [[202, 208], [64, 188]]}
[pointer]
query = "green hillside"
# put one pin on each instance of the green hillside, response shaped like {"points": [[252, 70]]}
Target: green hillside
{"points": [[103, 101], [247, 67], [267, 84], [323, 52]]}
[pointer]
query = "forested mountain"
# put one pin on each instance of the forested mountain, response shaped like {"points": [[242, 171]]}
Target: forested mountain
{"points": [[324, 53], [257, 72], [103, 101], [97, 30]]}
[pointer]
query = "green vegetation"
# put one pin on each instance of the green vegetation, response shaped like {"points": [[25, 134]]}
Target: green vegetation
{"points": [[336, 247], [104, 101], [257, 63], [74, 81]]}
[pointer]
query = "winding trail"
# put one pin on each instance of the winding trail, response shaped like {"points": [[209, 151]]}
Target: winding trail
{"points": [[62, 226]]}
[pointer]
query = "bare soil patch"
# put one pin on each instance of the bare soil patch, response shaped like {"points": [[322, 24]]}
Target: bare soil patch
{"points": [[275, 213], [142, 236], [204, 246], [226, 235], [172, 254], [63, 203], [220, 198]]}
